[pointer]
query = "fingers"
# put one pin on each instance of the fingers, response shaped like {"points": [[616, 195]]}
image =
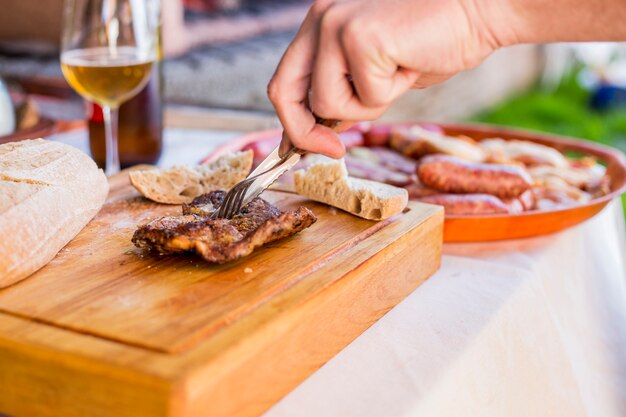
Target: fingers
{"points": [[377, 79], [320, 139], [332, 95], [288, 90], [345, 53], [338, 67], [380, 90]]}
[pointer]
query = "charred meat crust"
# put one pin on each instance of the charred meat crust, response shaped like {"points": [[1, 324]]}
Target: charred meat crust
{"points": [[286, 224], [205, 204], [221, 240]]}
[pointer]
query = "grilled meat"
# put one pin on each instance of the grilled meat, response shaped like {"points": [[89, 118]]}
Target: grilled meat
{"points": [[205, 204], [221, 240]]}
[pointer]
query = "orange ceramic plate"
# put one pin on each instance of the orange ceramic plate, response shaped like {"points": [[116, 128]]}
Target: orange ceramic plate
{"points": [[44, 127], [476, 228]]}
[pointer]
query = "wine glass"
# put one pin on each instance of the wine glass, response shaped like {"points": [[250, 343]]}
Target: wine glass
{"points": [[107, 51]]}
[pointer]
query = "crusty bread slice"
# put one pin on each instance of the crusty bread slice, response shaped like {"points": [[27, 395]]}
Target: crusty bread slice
{"points": [[181, 184], [48, 192], [326, 180]]}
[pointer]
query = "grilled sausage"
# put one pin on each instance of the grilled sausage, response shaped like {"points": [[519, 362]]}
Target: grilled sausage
{"points": [[453, 175]]}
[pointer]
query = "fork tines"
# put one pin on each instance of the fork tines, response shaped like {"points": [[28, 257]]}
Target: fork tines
{"points": [[233, 200], [241, 194]]}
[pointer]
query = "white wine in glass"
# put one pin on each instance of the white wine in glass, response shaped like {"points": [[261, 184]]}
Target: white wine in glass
{"points": [[108, 50], [104, 79]]}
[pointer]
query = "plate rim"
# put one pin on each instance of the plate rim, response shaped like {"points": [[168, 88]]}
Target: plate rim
{"points": [[43, 127], [594, 148]]}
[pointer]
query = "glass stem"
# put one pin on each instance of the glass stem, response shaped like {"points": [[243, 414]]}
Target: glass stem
{"points": [[112, 164]]}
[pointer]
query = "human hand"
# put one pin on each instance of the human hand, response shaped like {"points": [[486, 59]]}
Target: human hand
{"points": [[352, 58]]}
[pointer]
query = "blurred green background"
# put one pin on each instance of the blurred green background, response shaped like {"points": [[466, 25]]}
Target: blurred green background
{"points": [[563, 109]]}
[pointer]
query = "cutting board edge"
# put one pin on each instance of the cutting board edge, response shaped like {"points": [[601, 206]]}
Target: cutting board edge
{"points": [[50, 374], [403, 228], [224, 383], [144, 382]]}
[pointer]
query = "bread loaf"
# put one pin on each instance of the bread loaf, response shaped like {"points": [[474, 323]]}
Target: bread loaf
{"points": [[326, 180], [48, 192], [181, 184]]}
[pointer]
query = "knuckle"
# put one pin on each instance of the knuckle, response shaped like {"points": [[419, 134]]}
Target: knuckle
{"points": [[355, 32], [273, 91], [360, 37], [329, 20], [319, 7]]}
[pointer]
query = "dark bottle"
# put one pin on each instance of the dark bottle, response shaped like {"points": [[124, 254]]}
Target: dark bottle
{"points": [[140, 137]]}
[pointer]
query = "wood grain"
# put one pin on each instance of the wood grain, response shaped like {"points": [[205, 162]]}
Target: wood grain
{"points": [[106, 325]]}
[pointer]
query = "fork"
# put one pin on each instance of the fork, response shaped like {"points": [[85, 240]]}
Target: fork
{"points": [[263, 176], [246, 190]]}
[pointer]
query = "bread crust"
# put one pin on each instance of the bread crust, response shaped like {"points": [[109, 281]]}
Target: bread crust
{"points": [[327, 181], [181, 184], [48, 192]]}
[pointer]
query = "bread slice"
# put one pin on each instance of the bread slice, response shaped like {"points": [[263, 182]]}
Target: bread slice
{"points": [[48, 192], [181, 184], [326, 180]]}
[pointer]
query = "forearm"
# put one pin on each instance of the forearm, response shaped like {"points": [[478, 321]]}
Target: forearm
{"points": [[389, 46], [540, 21]]}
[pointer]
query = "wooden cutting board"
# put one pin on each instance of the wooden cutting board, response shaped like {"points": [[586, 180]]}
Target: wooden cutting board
{"points": [[107, 329]]}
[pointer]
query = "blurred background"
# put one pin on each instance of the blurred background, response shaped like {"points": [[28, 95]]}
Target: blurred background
{"points": [[218, 56]]}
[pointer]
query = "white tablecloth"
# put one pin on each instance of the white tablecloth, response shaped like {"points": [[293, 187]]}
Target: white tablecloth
{"points": [[534, 327]]}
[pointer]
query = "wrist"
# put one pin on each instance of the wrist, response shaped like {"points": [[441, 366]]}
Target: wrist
{"points": [[497, 21], [539, 21]]}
